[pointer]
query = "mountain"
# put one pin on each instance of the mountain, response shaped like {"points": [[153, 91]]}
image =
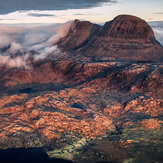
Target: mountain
{"points": [[88, 104], [126, 37]]}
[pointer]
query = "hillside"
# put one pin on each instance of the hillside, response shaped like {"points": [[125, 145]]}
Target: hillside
{"points": [[90, 104]]}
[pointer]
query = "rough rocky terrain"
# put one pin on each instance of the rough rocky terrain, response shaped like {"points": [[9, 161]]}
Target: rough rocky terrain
{"points": [[87, 108]]}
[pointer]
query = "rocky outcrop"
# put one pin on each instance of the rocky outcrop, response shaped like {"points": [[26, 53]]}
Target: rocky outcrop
{"points": [[79, 32], [126, 37], [128, 27], [69, 104], [87, 108]]}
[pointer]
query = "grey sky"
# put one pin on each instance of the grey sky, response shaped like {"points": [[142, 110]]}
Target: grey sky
{"points": [[7, 6], [40, 15]]}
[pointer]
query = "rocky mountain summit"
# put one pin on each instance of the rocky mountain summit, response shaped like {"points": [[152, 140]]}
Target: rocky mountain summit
{"points": [[88, 105], [126, 37]]}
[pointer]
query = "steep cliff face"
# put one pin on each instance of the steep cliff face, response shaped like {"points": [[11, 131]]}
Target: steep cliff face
{"points": [[79, 32], [126, 37], [128, 27]]}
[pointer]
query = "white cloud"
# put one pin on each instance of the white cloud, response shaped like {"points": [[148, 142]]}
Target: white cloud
{"points": [[30, 42], [159, 35], [37, 47], [48, 50], [5, 40], [14, 48], [60, 32], [12, 62], [34, 38], [158, 30]]}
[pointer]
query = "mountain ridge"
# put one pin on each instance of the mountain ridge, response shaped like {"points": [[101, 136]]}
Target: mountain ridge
{"points": [[83, 107], [118, 38]]}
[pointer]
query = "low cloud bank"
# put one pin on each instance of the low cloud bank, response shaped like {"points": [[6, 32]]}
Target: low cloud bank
{"points": [[157, 27], [13, 62], [20, 43]]}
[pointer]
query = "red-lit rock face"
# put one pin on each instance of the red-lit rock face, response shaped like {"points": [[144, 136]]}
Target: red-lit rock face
{"points": [[112, 105], [128, 27], [79, 32], [70, 100], [126, 37]]}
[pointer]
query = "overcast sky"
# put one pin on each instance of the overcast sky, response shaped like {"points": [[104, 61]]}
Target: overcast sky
{"points": [[60, 11]]}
